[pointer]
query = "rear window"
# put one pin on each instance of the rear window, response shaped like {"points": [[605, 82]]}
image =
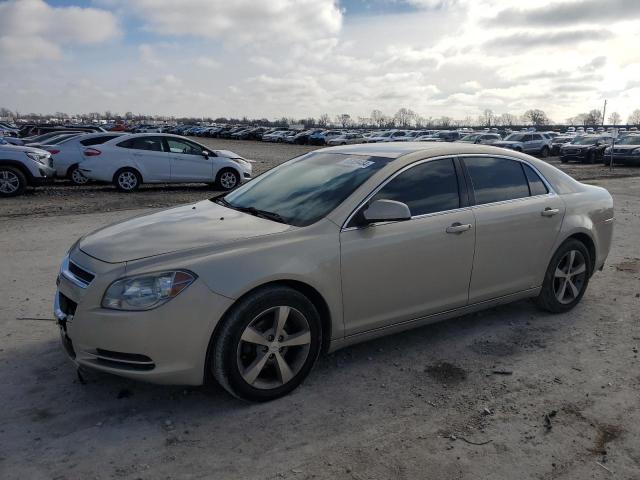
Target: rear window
{"points": [[97, 140], [143, 143]]}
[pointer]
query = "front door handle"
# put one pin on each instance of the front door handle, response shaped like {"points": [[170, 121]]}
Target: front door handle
{"points": [[550, 212], [458, 228]]}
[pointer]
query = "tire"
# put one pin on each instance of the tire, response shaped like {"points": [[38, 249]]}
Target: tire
{"points": [[12, 182], [561, 292], [545, 152], [127, 180], [227, 179], [590, 158], [252, 371], [76, 176]]}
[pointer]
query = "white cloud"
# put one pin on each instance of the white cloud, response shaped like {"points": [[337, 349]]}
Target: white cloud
{"points": [[241, 21], [31, 29]]}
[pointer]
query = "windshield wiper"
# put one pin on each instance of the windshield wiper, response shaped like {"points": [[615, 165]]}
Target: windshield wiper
{"points": [[253, 211]]}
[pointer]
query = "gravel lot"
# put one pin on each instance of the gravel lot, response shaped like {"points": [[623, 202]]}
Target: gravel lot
{"points": [[62, 198], [504, 394]]}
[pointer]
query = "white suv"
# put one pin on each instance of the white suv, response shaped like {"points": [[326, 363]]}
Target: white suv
{"points": [[22, 166], [161, 158]]}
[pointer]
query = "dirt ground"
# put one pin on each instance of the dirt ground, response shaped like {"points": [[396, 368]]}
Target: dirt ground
{"points": [[510, 393], [63, 198]]}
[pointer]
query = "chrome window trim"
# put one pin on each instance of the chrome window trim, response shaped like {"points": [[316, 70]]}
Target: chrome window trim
{"points": [[66, 273], [551, 194]]}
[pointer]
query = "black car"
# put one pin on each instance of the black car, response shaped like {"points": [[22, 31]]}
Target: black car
{"points": [[626, 151], [585, 149]]}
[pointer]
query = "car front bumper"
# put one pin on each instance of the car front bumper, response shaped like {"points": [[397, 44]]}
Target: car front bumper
{"points": [[165, 345]]}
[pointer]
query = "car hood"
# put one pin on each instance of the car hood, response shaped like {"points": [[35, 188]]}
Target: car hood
{"points": [[23, 148], [181, 228]]}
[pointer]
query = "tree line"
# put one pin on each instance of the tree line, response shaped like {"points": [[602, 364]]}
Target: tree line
{"points": [[403, 118]]}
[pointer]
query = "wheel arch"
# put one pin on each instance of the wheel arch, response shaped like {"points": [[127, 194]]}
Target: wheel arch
{"points": [[314, 296], [588, 242], [115, 175], [18, 166]]}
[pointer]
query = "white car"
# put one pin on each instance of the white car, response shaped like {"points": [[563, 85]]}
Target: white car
{"points": [[346, 139], [389, 136], [68, 154], [162, 158], [277, 136], [21, 167]]}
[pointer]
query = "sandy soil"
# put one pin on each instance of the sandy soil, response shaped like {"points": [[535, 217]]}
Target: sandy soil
{"points": [[510, 393]]}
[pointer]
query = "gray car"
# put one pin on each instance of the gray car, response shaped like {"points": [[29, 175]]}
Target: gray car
{"points": [[331, 248], [528, 142]]}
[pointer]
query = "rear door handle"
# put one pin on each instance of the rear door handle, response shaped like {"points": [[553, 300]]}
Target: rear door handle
{"points": [[458, 228], [550, 212]]}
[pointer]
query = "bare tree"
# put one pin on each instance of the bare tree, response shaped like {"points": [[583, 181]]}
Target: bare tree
{"points": [[614, 118], [377, 117], [486, 118], [634, 118], [324, 120], [404, 117], [536, 117], [507, 120], [594, 117]]}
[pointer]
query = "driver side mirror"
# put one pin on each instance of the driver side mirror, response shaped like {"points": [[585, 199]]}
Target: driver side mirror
{"points": [[205, 154], [384, 211]]}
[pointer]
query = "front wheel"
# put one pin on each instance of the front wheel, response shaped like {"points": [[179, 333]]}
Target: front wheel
{"points": [[228, 179], [266, 345], [566, 278], [12, 182]]}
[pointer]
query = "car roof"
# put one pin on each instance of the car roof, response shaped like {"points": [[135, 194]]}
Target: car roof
{"points": [[395, 150]]}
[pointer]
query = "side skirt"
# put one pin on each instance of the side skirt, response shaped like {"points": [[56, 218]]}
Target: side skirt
{"points": [[436, 317]]}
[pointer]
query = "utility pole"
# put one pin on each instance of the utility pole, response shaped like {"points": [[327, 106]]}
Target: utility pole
{"points": [[604, 112]]}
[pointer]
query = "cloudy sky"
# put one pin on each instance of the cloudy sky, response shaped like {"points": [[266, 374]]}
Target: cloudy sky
{"points": [[269, 58]]}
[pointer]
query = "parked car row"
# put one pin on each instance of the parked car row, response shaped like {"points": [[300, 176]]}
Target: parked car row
{"points": [[126, 160]]}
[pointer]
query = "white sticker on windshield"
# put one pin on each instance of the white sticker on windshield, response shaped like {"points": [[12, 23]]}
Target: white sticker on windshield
{"points": [[355, 162]]}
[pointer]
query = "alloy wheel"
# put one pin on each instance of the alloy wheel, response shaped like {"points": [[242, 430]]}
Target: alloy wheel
{"points": [[9, 182], [128, 180], [569, 277], [228, 180], [77, 177], [274, 347]]}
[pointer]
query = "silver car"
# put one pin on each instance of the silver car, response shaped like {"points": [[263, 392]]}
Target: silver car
{"points": [[527, 142], [334, 247]]}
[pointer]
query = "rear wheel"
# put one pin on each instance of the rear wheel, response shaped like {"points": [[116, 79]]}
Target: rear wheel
{"points": [[266, 345], [127, 180], [227, 179], [566, 278], [12, 182], [76, 176], [544, 153]]}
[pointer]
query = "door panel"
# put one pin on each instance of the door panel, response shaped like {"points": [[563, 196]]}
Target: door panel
{"points": [[154, 166], [187, 162], [404, 270]]}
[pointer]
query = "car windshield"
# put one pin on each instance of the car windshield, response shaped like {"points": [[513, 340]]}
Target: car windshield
{"points": [[515, 137], [631, 140], [469, 138], [304, 190], [586, 140]]}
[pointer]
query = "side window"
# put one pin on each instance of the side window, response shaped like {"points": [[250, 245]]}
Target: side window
{"points": [[426, 188], [182, 146], [96, 140], [496, 179], [536, 137], [536, 185], [143, 143], [527, 138]]}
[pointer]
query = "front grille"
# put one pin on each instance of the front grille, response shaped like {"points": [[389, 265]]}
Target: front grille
{"points": [[67, 306], [570, 152], [81, 273]]}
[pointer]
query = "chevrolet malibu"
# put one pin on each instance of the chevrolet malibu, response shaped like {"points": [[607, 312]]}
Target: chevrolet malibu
{"points": [[331, 248]]}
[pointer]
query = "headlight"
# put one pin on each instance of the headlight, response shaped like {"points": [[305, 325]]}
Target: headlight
{"points": [[635, 151], [241, 161], [145, 292], [36, 157]]}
